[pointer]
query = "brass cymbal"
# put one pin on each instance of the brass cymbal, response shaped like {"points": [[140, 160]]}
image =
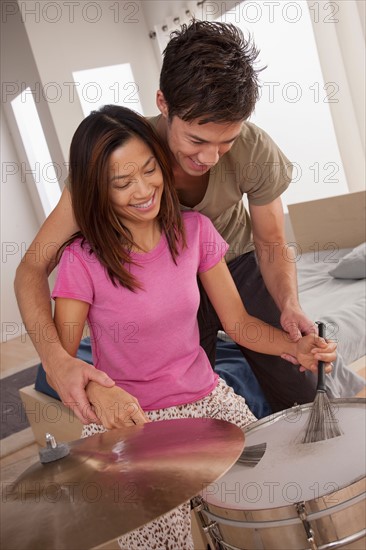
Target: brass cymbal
{"points": [[114, 482]]}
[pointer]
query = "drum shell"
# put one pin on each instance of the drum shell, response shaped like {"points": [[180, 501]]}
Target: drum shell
{"points": [[342, 509], [332, 527]]}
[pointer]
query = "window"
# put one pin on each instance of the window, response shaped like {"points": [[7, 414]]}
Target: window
{"points": [[40, 164], [107, 85]]}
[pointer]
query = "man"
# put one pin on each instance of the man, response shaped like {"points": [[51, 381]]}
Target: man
{"points": [[208, 89]]}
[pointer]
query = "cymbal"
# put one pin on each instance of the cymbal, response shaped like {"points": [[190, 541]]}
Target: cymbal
{"points": [[114, 482]]}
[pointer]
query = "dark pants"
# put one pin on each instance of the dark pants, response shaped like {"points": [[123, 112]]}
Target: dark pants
{"points": [[281, 382]]}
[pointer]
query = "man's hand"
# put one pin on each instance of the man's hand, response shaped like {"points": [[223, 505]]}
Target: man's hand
{"points": [[296, 324], [70, 380], [312, 348], [114, 407]]}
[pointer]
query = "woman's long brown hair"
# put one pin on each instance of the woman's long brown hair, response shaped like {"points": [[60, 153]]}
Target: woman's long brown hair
{"points": [[94, 141]]}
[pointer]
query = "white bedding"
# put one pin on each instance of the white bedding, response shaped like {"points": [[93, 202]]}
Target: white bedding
{"points": [[341, 305]]}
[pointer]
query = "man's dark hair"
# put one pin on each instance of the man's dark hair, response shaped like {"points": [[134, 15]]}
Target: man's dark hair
{"points": [[208, 73]]}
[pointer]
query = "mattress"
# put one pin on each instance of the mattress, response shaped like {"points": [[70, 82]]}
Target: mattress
{"points": [[341, 305]]}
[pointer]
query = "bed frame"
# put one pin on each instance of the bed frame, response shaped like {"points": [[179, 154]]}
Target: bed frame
{"points": [[340, 220]]}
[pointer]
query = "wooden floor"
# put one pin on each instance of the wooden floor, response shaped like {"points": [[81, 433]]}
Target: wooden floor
{"points": [[16, 355]]}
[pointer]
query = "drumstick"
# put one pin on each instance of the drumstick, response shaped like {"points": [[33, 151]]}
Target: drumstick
{"points": [[322, 423]]}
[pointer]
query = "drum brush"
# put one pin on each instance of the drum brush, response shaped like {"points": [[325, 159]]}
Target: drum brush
{"points": [[252, 455], [322, 424]]}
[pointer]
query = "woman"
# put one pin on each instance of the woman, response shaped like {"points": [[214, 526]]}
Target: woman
{"points": [[132, 273]]}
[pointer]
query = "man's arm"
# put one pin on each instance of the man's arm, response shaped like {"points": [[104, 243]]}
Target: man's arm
{"points": [[277, 266], [114, 407], [68, 375]]}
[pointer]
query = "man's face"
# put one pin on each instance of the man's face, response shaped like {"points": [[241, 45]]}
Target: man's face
{"points": [[198, 147]]}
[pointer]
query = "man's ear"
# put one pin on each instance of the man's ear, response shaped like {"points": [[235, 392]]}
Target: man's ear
{"points": [[162, 104]]}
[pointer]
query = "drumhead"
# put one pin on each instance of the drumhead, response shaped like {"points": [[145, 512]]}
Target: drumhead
{"points": [[290, 471]]}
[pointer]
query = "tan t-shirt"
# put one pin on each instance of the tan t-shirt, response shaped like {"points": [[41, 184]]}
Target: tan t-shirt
{"points": [[254, 166]]}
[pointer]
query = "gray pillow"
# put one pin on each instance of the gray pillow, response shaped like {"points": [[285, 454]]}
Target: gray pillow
{"points": [[352, 265]]}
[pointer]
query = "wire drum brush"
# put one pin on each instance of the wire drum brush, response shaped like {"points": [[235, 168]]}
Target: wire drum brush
{"points": [[322, 423]]}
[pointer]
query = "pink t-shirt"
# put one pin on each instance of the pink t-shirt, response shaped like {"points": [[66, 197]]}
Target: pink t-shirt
{"points": [[148, 340]]}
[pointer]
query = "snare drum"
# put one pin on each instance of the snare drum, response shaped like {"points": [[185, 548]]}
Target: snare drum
{"points": [[298, 496]]}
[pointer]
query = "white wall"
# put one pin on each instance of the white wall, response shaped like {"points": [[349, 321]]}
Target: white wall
{"points": [[163, 16], [294, 106], [43, 47], [340, 41], [90, 35], [21, 211], [44, 43], [19, 224], [18, 72]]}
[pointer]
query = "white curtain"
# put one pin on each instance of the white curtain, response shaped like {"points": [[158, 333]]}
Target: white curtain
{"points": [[339, 29]]}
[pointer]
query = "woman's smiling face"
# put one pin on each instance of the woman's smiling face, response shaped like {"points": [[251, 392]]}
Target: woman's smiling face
{"points": [[135, 183]]}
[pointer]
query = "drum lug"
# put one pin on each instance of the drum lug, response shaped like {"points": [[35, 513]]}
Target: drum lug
{"points": [[197, 507], [301, 511], [208, 528], [197, 503]]}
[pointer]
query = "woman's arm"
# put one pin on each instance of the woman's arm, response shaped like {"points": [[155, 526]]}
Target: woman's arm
{"points": [[113, 407], [253, 333], [70, 318]]}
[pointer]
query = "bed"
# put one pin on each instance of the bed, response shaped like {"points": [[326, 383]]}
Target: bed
{"points": [[330, 249], [328, 240]]}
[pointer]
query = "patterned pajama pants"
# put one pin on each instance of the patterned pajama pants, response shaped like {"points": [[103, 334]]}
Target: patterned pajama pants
{"points": [[173, 530]]}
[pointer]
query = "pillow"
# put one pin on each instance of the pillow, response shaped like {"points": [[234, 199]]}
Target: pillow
{"points": [[352, 265]]}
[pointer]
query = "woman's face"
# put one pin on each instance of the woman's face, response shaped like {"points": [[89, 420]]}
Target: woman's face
{"points": [[135, 183]]}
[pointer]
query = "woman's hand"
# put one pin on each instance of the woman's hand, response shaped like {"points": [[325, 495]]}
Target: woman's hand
{"points": [[312, 348], [114, 407]]}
